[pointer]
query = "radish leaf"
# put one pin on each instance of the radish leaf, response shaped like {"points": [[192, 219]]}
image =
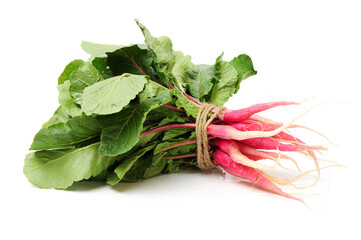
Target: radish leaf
{"points": [[60, 168], [100, 63], [180, 69], [156, 167], [111, 95], [66, 100], [244, 67], [85, 75], [120, 131], [202, 77], [226, 84], [183, 102], [75, 131], [127, 164], [171, 66], [98, 50], [161, 47], [72, 66], [135, 59], [151, 89], [138, 168], [60, 116], [173, 133]]}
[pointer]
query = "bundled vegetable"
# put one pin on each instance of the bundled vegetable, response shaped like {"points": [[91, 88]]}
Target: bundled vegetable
{"points": [[132, 112]]}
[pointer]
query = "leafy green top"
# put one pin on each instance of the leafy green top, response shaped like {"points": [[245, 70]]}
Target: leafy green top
{"points": [[107, 102]]}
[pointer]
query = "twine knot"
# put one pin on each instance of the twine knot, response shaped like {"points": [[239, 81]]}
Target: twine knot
{"points": [[202, 121]]}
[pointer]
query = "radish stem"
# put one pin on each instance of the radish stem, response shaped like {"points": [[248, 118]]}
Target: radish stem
{"points": [[173, 108], [180, 156], [165, 127]]}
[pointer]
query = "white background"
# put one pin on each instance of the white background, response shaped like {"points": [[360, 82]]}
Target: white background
{"points": [[300, 49]]}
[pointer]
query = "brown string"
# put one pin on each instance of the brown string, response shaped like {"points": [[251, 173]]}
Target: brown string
{"points": [[202, 122]]}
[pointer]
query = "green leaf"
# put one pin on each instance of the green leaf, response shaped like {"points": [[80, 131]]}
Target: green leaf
{"points": [[66, 100], [171, 66], [183, 102], [158, 114], [63, 135], [111, 95], [173, 119], [61, 168], [173, 133], [120, 131], [85, 75], [60, 116], [134, 59], [226, 85], [244, 67], [139, 168], [98, 50], [162, 54], [166, 44], [145, 140], [112, 179], [162, 48], [180, 69], [151, 89], [100, 63], [103, 176], [156, 167], [190, 148], [173, 166], [126, 165], [177, 150], [72, 66], [202, 78], [78, 75]]}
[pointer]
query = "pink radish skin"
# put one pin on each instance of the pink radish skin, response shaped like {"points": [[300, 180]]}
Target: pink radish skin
{"points": [[271, 144], [260, 155], [220, 131], [245, 113], [229, 132], [248, 151], [226, 162], [256, 126], [249, 125], [260, 119], [287, 137], [231, 148], [254, 158]]}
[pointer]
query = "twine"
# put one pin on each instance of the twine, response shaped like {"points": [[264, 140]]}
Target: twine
{"points": [[202, 122]]}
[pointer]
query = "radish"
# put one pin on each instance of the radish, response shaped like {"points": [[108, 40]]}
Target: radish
{"points": [[255, 176], [244, 141], [245, 113], [231, 148], [272, 144]]}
